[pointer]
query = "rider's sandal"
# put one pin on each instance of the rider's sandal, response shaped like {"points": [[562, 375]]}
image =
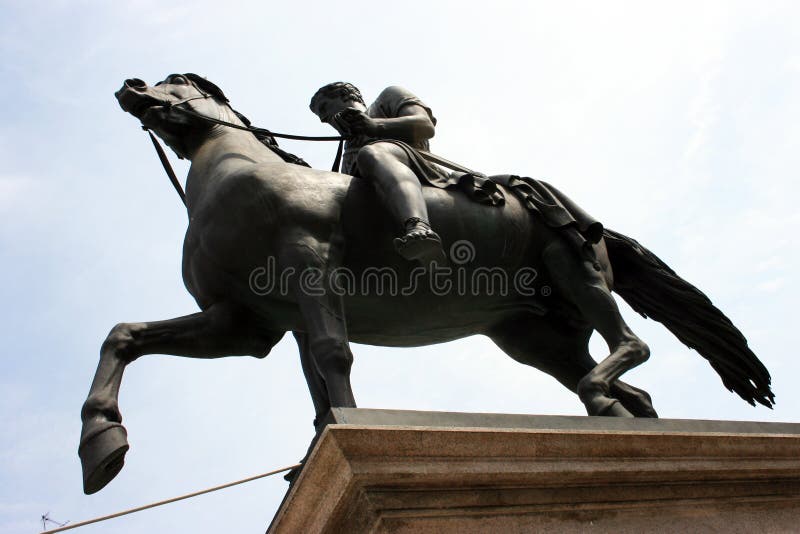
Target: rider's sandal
{"points": [[426, 250]]}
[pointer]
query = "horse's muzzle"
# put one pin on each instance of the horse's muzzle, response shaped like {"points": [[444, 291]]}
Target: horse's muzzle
{"points": [[133, 96]]}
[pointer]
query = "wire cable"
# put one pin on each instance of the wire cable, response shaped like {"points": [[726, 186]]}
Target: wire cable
{"points": [[168, 501]]}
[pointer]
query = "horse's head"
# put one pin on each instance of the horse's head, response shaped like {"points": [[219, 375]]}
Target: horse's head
{"points": [[156, 107]]}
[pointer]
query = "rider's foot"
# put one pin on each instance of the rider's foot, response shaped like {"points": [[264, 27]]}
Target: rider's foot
{"points": [[420, 243]]}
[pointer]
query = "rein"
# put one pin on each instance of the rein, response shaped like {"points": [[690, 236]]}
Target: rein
{"points": [[254, 129], [264, 132], [167, 167]]}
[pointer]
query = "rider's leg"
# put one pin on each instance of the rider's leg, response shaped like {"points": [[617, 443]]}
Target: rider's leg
{"points": [[388, 166], [588, 289]]}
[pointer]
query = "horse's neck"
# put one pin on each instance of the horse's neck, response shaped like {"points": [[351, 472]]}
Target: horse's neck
{"points": [[223, 144], [224, 151]]}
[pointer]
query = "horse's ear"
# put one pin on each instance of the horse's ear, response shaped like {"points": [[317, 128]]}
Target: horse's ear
{"points": [[207, 86]]}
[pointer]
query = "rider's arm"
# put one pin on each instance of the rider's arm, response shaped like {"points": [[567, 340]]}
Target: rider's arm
{"points": [[413, 124]]}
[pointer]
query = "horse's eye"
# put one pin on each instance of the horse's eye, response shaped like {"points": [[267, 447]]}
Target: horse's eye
{"points": [[180, 80]]}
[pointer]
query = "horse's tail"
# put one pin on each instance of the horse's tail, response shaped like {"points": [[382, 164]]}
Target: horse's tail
{"points": [[655, 291]]}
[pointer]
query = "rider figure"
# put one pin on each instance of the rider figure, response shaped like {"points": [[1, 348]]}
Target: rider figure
{"points": [[381, 146]]}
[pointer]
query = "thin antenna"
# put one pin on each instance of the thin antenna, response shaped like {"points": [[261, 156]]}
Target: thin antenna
{"points": [[46, 519]]}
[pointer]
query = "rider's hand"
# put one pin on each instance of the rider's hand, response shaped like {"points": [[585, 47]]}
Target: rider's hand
{"points": [[356, 122]]}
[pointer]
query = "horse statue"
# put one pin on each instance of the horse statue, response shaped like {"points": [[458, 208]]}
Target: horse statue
{"points": [[265, 237]]}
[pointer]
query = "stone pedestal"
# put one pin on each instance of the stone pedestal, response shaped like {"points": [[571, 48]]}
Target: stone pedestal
{"points": [[425, 472]]}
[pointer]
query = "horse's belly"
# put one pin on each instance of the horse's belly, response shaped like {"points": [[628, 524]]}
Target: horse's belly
{"points": [[447, 309]]}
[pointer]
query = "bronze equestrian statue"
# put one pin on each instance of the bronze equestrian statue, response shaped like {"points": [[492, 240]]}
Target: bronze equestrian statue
{"points": [[266, 237]]}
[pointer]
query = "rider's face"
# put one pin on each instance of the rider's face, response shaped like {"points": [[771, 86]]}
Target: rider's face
{"points": [[327, 107]]}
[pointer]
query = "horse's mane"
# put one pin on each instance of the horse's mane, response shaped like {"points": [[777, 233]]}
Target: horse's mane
{"points": [[207, 86], [213, 89]]}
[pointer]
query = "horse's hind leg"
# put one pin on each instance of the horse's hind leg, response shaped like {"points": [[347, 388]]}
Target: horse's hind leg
{"points": [[213, 333], [562, 352], [589, 290]]}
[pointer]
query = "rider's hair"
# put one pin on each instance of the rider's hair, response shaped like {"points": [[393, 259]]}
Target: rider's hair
{"points": [[343, 90]]}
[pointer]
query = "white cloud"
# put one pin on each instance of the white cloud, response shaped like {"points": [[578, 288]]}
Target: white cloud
{"points": [[771, 286]]}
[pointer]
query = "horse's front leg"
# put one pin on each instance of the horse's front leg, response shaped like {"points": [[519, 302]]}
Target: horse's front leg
{"points": [[316, 385], [329, 347], [323, 316], [319, 395], [216, 332]]}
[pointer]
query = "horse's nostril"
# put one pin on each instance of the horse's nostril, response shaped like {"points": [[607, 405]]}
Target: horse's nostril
{"points": [[135, 83]]}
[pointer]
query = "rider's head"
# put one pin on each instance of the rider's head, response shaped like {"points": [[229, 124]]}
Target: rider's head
{"points": [[333, 98]]}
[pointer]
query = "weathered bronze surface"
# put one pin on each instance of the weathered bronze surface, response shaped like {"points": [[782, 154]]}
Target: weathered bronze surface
{"points": [[273, 247]]}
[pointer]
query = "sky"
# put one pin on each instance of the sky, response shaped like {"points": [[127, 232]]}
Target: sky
{"points": [[675, 123]]}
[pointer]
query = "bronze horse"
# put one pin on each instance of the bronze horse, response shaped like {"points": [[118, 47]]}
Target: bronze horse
{"points": [[266, 236]]}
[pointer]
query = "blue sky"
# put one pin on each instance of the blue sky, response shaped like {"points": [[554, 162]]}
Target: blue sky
{"points": [[676, 124]]}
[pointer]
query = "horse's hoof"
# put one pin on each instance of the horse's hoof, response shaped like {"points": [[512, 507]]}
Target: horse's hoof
{"points": [[102, 454], [635, 400]]}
